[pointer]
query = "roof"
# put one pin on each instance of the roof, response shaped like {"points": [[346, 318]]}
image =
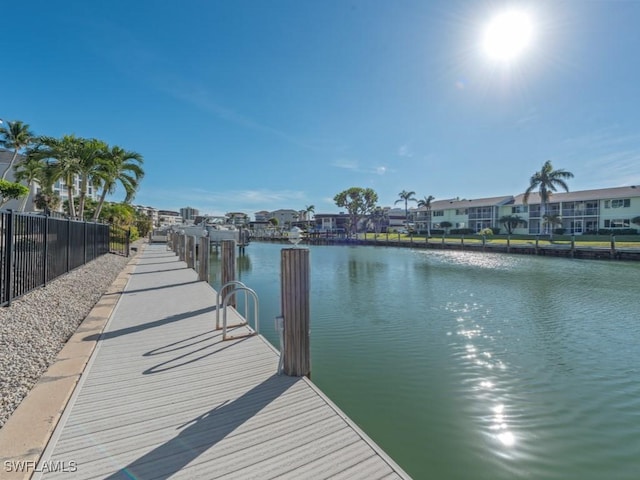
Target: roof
{"points": [[582, 195], [469, 203]]}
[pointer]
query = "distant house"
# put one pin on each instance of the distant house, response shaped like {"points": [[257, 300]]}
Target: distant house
{"points": [[168, 218], [285, 217]]}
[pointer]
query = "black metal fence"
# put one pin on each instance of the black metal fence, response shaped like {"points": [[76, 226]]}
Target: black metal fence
{"points": [[35, 249]]}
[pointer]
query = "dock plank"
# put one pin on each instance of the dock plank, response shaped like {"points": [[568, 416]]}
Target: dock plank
{"points": [[163, 396]]}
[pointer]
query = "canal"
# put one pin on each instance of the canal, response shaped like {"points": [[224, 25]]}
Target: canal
{"points": [[466, 365]]}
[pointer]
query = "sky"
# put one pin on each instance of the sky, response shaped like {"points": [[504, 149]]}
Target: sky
{"points": [[267, 104]]}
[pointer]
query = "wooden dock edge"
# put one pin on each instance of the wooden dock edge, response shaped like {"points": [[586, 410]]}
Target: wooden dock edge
{"points": [[28, 431]]}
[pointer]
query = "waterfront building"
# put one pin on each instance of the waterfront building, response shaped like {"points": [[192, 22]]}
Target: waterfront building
{"points": [[585, 211], [285, 217], [168, 218], [189, 213], [239, 219], [151, 212]]}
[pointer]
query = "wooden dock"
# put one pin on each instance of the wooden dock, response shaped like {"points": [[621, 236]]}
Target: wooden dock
{"points": [[163, 397]]}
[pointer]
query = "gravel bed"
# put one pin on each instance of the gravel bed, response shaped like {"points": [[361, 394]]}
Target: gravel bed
{"points": [[35, 327]]}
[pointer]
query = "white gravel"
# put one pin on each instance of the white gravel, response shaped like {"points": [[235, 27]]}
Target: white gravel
{"points": [[35, 327]]}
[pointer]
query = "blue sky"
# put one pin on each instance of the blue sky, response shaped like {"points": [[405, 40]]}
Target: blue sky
{"points": [[251, 105]]}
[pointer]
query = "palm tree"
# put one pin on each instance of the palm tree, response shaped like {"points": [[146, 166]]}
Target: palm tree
{"points": [[426, 204], [551, 221], [406, 197], [512, 221], [29, 171], [547, 181], [90, 154], [308, 210], [67, 153], [16, 136], [118, 166]]}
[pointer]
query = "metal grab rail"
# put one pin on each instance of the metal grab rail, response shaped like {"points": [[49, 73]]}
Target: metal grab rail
{"points": [[247, 290], [218, 298]]}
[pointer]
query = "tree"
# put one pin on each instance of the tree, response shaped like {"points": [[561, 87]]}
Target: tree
{"points": [[636, 220], [66, 153], [29, 171], [446, 225], [551, 221], [406, 197], [358, 202], [91, 155], [377, 217], [16, 135], [308, 210], [118, 166], [547, 181], [511, 222], [426, 204], [11, 191]]}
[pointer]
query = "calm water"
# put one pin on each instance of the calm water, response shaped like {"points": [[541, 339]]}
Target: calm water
{"points": [[474, 366]]}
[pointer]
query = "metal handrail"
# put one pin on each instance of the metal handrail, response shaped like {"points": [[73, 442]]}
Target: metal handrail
{"points": [[254, 295], [218, 298]]}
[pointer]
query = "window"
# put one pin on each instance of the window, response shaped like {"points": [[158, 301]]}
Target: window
{"points": [[618, 203], [520, 209], [461, 211], [438, 213], [617, 223]]}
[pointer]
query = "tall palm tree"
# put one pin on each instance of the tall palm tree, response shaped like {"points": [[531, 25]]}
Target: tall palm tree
{"points": [[308, 210], [29, 171], [406, 197], [551, 221], [547, 181], [90, 154], [66, 153], [118, 166], [15, 135], [426, 204]]}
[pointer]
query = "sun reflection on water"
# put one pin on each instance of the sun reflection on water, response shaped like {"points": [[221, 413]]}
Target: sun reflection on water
{"points": [[475, 353]]}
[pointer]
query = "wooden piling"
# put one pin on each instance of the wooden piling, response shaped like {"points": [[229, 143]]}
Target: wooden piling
{"points": [[183, 248], [508, 243], [295, 310], [190, 257], [228, 269], [613, 247], [203, 260], [537, 244], [573, 246]]}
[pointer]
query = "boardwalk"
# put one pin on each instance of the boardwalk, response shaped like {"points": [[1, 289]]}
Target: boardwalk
{"points": [[164, 397]]}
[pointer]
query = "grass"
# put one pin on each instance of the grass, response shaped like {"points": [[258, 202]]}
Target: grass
{"points": [[628, 241]]}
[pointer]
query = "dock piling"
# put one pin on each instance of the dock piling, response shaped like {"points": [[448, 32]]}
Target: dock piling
{"points": [[295, 310], [228, 271]]}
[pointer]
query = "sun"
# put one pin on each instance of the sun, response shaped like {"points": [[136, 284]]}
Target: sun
{"points": [[508, 35]]}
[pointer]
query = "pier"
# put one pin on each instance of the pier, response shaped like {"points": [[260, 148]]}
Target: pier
{"points": [[163, 396]]}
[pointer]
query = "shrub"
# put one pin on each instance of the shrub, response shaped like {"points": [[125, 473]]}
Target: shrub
{"points": [[559, 230], [462, 231], [486, 231], [617, 231]]}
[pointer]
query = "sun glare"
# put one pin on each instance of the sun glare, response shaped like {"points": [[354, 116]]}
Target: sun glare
{"points": [[508, 35]]}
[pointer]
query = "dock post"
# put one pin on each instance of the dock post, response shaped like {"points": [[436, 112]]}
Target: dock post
{"points": [[462, 241], [295, 290], [190, 257], [573, 246], [508, 243], [537, 246], [228, 272], [484, 242], [203, 270], [613, 246]]}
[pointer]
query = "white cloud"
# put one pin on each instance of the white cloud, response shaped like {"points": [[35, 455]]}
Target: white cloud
{"points": [[405, 151]]}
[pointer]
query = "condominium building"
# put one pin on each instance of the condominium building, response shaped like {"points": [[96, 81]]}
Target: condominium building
{"points": [[189, 213], [585, 211]]}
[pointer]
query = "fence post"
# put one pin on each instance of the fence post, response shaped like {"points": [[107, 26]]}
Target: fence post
{"points": [[203, 271], [295, 311], [45, 250], [228, 273], [69, 244], [573, 245], [8, 260], [128, 241], [537, 246], [84, 243]]}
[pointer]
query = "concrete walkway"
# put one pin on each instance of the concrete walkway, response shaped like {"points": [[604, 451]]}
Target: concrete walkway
{"points": [[164, 397]]}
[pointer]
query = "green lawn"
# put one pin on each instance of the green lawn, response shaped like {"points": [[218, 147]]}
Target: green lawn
{"points": [[627, 241]]}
